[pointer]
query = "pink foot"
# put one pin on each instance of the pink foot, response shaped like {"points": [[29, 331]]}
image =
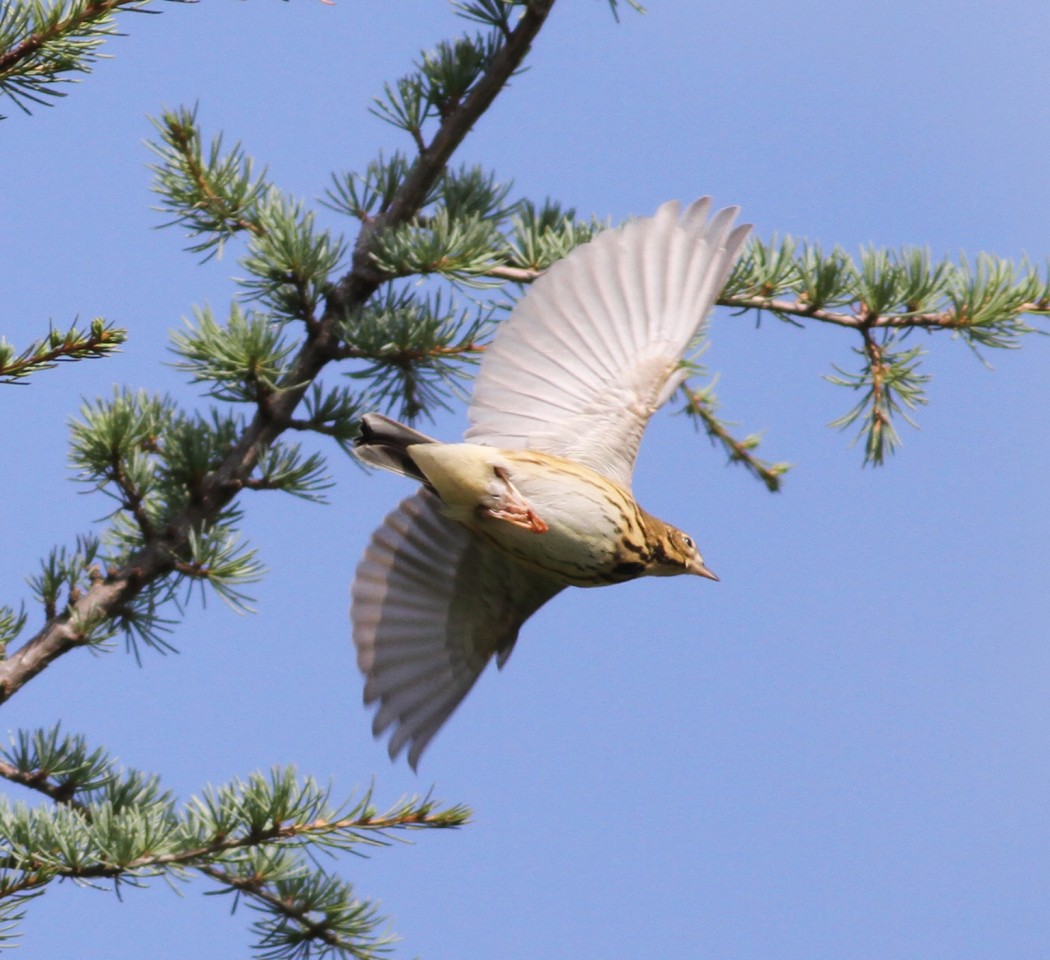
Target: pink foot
{"points": [[514, 508]]}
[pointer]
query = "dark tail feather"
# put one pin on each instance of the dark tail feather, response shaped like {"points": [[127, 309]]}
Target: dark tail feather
{"points": [[384, 443]]}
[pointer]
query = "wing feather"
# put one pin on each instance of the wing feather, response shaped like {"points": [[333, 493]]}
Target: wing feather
{"points": [[431, 605], [594, 348]]}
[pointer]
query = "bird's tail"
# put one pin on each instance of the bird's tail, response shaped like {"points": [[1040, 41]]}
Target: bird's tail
{"points": [[384, 443]]}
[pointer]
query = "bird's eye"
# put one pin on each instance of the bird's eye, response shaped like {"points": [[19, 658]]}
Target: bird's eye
{"points": [[688, 541]]}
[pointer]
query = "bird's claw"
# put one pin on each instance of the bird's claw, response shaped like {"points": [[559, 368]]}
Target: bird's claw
{"points": [[513, 507], [527, 518]]}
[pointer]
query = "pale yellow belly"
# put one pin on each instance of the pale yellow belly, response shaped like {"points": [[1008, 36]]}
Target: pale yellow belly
{"points": [[585, 513]]}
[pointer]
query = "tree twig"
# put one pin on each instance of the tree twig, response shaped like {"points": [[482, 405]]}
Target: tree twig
{"points": [[38, 780], [739, 451], [944, 320]]}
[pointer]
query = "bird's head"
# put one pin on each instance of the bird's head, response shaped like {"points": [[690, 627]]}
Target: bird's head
{"points": [[675, 553]]}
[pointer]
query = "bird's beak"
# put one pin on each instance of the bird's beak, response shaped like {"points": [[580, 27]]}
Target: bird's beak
{"points": [[701, 571]]}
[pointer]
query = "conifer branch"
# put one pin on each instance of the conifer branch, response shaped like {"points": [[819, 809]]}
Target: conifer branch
{"points": [[346, 832], [40, 782], [702, 405], [299, 923], [515, 274], [99, 340], [117, 591], [882, 295], [252, 837], [941, 320], [363, 279], [41, 46]]}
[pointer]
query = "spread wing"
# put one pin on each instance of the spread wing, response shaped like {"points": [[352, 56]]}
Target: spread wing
{"points": [[594, 348], [431, 605]]}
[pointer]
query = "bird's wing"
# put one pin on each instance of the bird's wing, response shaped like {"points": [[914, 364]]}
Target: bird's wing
{"points": [[595, 346], [431, 605]]}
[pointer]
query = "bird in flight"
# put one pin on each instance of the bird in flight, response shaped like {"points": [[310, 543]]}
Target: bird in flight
{"points": [[539, 497]]}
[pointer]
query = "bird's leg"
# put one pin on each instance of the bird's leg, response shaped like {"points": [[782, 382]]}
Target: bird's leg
{"points": [[513, 507]]}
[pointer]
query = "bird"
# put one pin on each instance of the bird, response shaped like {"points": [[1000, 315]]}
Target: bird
{"points": [[538, 496]]}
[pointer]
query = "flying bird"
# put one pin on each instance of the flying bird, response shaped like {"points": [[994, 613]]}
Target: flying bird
{"points": [[539, 497]]}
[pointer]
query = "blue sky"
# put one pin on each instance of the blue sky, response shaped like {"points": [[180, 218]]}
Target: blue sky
{"points": [[839, 752]]}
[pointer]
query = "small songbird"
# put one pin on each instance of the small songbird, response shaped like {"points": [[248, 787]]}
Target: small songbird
{"points": [[539, 497]]}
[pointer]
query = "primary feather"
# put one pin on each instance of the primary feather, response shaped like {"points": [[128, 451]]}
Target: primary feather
{"points": [[595, 348], [431, 605]]}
